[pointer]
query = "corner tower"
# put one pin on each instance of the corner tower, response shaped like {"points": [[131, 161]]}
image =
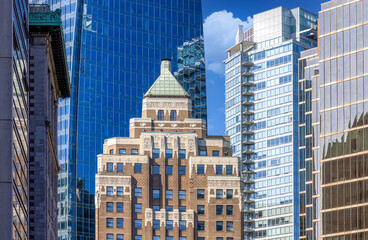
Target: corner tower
{"points": [[167, 107]]}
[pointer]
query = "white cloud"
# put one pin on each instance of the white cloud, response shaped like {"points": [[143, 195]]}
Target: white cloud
{"points": [[219, 34]]}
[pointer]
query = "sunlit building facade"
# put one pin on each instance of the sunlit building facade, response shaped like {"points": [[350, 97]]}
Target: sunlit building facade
{"points": [[113, 49], [262, 117], [333, 103]]}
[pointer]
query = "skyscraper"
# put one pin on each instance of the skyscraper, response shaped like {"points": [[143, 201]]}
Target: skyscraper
{"points": [[14, 104], [333, 102], [262, 117], [113, 48], [168, 179]]}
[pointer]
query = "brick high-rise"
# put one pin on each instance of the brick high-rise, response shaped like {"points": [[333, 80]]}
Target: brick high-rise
{"points": [[168, 180]]}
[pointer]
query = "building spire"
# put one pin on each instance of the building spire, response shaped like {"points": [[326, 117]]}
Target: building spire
{"points": [[166, 84]]}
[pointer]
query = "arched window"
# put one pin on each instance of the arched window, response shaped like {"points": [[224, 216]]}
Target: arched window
{"points": [[173, 115], [160, 115]]}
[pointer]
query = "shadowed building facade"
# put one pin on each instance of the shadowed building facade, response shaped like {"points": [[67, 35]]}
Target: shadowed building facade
{"points": [[168, 180], [48, 82], [333, 105]]}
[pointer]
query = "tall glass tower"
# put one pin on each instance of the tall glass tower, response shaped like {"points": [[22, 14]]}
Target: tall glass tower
{"points": [[333, 105], [261, 82], [113, 49]]}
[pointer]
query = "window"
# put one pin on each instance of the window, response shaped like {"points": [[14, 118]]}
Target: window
{"points": [[109, 222], [200, 226], [200, 169], [134, 151], [169, 238], [156, 238], [200, 209], [156, 194], [169, 208], [120, 207], [229, 210], [182, 194], [156, 224], [215, 153], [119, 237], [219, 193], [156, 170], [138, 237], [119, 167], [182, 225], [219, 238], [169, 224], [138, 208], [182, 238], [169, 170], [219, 226], [219, 209], [229, 194], [229, 238], [169, 194], [160, 115], [200, 193], [155, 153], [137, 192], [109, 207], [182, 170], [109, 191], [120, 222], [137, 167], [181, 153], [202, 153], [156, 208], [109, 236], [110, 167], [229, 226], [168, 153], [219, 169], [201, 238], [138, 223], [111, 151], [119, 191], [229, 169], [173, 115], [182, 208], [122, 151]]}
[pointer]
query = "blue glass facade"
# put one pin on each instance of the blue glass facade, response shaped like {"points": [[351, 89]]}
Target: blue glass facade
{"points": [[113, 49], [262, 118]]}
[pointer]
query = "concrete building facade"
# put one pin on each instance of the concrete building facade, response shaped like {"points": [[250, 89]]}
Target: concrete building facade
{"points": [[14, 148], [168, 180], [48, 82], [261, 112], [333, 102]]}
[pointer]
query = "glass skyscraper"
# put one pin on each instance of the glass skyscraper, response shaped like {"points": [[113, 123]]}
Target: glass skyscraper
{"points": [[333, 103], [261, 100], [113, 49]]}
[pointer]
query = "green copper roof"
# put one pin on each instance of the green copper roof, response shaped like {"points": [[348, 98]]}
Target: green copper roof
{"points": [[166, 84], [42, 20]]}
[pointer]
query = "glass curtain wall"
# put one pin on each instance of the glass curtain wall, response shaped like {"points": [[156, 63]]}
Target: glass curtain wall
{"points": [[114, 49]]}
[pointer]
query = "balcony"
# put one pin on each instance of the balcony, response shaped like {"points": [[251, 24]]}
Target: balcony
{"points": [[247, 72], [248, 171], [248, 82], [249, 190], [248, 142]]}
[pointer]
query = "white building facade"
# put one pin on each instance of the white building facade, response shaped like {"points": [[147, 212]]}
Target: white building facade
{"points": [[261, 89]]}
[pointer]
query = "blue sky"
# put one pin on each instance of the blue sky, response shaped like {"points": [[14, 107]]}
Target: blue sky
{"points": [[221, 18]]}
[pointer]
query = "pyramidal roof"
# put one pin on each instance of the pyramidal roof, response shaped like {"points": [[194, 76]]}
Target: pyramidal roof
{"points": [[166, 84]]}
